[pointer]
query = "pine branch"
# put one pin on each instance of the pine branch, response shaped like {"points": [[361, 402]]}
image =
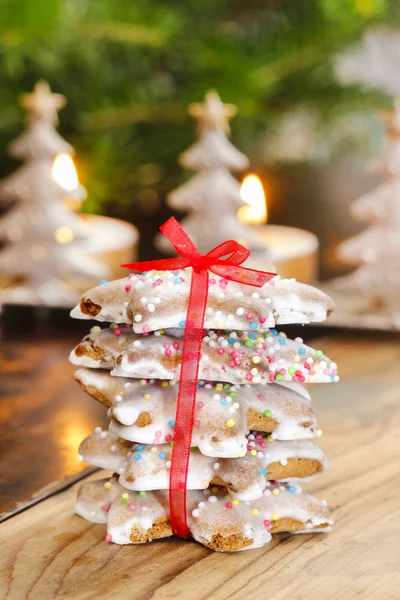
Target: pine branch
{"points": [[126, 33], [120, 116]]}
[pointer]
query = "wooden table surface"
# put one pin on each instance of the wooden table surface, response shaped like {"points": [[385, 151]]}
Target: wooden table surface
{"points": [[48, 552], [43, 413]]}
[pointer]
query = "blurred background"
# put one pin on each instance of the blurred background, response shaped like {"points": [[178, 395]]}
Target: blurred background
{"points": [[129, 70]]}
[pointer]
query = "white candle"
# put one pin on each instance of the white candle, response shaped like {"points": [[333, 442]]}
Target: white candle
{"points": [[112, 241], [293, 251]]}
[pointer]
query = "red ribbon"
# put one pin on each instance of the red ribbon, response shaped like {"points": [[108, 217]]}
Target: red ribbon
{"points": [[225, 261]]}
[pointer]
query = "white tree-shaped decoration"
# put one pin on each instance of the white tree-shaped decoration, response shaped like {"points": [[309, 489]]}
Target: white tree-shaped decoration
{"points": [[376, 251], [212, 196], [38, 230], [375, 63]]}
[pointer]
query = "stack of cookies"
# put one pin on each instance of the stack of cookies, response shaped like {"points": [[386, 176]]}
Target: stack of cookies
{"points": [[254, 423]]}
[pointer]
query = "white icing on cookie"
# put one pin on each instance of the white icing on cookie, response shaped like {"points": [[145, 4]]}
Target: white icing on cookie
{"points": [[94, 499], [244, 357], [99, 384], [159, 299], [147, 468], [139, 512], [105, 450], [99, 349], [136, 517], [295, 505], [144, 411], [284, 450], [146, 414]]}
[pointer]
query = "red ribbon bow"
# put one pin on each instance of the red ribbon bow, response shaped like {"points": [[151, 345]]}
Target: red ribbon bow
{"points": [[224, 260]]}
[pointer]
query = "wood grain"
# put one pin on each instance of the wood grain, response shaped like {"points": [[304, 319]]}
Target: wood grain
{"points": [[43, 414], [47, 552]]}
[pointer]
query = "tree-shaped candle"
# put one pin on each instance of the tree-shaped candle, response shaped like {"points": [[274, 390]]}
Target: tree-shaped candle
{"points": [[376, 250], [38, 230], [213, 190]]}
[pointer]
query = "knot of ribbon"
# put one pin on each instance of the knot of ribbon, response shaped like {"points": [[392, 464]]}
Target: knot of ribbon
{"points": [[224, 260]]}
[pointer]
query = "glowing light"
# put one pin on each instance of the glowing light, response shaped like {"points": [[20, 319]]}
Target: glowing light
{"points": [[64, 172], [252, 193], [64, 235]]}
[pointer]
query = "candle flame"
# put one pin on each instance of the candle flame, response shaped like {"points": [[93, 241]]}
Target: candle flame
{"points": [[64, 235], [64, 172], [252, 192]]}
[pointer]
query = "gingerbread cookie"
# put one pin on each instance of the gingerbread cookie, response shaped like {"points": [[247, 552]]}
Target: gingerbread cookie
{"points": [[144, 412], [215, 519], [105, 450], [100, 348], [148, 467], [235, 357], [223, 413], [158, 299], [94, 499], [102, 387]]}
